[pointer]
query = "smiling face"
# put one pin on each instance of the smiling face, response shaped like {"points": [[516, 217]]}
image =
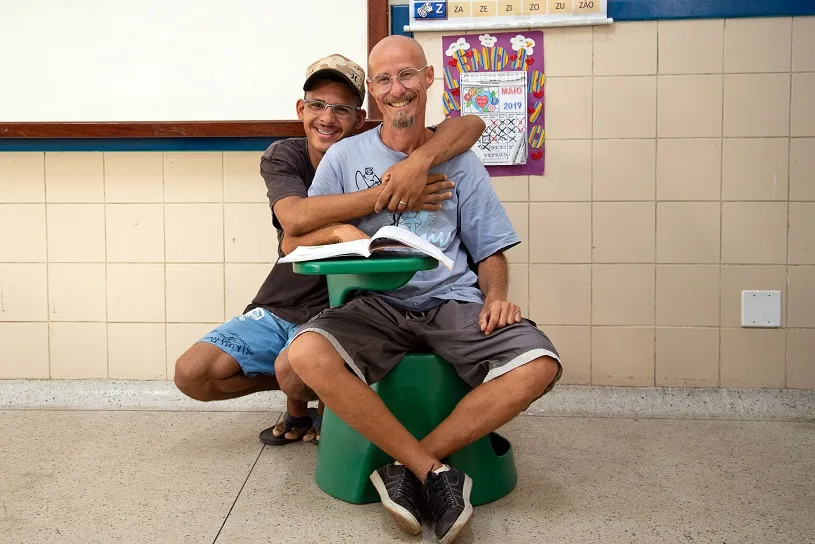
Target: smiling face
{"points": [[324, 129], [403, 105]]}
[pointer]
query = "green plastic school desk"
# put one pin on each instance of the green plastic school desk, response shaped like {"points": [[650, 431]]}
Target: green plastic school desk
{"points": [[421, 392]]}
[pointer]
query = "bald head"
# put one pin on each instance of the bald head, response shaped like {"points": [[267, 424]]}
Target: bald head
{"points": [[399, 79], [393, 46]]}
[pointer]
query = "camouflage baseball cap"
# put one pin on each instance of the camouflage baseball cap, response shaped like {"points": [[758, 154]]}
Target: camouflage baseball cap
{"points": [[348, 71]]}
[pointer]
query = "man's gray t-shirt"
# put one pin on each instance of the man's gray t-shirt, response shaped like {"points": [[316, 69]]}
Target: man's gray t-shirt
{"points": [[473, 221]]}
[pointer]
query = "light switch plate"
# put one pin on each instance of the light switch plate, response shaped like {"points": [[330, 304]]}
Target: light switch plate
{"points": [[761, 309]]}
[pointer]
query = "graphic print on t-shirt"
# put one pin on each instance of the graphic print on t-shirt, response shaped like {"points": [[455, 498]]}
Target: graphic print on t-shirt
{"points": [[368, 179], [431, 226]]}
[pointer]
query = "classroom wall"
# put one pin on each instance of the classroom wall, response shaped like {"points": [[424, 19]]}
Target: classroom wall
{"points": [[680, 169]]}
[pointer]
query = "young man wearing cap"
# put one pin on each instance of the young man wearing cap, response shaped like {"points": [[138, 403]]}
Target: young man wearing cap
{"points": [[456, 313], [237, 358]]}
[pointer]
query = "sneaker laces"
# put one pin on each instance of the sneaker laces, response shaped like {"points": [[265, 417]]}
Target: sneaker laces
{"points": [[439, 495], [412, 486]]}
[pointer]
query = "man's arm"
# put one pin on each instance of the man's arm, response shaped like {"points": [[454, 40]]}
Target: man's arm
{"points": [[299, 216], [493, 278], [331, 234], [404, 181]]}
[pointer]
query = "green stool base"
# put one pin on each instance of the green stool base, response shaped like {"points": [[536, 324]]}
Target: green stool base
{"points": [[421, 392]]}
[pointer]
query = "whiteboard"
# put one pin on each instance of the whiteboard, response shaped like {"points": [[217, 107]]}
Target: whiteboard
{"points": [[167, 60]]}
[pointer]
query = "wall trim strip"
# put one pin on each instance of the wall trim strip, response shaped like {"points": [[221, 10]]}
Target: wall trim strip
{"points": [[12, 133], [135, 144]]}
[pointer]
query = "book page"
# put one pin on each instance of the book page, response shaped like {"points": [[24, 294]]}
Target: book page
{"points": [[408, 238], [315, 253]]}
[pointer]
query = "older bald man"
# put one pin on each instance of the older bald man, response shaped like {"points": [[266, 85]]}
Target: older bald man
{"points": [[461, 315]]}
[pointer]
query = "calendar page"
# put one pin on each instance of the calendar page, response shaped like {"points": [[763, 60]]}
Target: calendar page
{"points": [[499, 98]]}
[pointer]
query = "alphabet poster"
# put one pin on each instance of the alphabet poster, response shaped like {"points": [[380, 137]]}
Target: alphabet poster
{"points": [[500, 78], [445, 15]]}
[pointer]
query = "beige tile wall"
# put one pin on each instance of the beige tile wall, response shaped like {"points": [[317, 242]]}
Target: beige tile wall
{"points": [[680, 170], [112, 264]]}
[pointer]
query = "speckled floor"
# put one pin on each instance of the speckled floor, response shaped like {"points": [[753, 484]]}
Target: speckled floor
{"points": [[167, 477]]}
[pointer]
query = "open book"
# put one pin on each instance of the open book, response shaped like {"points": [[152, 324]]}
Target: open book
{"points": [[388, 238]]}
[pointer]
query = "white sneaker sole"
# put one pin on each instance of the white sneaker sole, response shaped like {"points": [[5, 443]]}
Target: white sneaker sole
{"points": [[404, 518], [465, 515]]}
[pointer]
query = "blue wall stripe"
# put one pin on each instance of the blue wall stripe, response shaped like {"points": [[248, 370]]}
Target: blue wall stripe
{"points": [[648, 10], [400, 16], [135, 144]]}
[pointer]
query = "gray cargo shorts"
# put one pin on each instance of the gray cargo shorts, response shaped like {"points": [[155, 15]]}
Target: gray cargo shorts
{"points": [[372, 336]]}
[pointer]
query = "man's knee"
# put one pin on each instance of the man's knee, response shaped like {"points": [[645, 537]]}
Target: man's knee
{"points": [[312, 353], [193, 372], [187, 377], [535, 378], [290, 383]]}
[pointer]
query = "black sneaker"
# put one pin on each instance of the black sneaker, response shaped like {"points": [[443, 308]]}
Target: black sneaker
{"points": [[448, 495], [401, 494]]}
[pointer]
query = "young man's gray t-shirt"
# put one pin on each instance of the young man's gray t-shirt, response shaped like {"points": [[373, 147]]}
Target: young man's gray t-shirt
{"points": [[473, 221]]}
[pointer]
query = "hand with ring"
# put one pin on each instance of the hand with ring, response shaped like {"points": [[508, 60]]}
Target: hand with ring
{"points": [[407, 186]]}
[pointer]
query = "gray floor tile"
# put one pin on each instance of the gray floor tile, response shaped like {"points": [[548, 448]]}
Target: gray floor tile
{"points": [[122, 477], [153, 477], [281, 503], [627, 481], [580, 481]]}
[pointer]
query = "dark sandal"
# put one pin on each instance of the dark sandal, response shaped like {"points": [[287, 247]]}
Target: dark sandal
{"points": [[300, 425]]}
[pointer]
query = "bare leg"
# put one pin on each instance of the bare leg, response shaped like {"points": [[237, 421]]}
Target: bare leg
{"points": [[296, 407], [314, 359], [489, 406], [290, 382], [297, 396], [205, 372]]}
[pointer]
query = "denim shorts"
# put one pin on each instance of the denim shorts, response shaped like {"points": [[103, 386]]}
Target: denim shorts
{"points": [[254, 339]]}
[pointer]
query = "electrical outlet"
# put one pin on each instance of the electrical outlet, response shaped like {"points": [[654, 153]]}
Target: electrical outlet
{"points": [[761, 309]]}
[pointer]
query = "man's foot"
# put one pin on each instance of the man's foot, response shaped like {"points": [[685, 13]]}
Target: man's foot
{"points": [[401, 494], [313, 434], [448, 494], [288, 429]]}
